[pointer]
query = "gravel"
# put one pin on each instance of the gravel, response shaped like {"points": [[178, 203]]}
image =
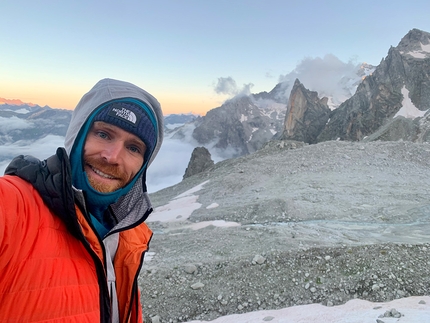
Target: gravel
{"points": [[321, 223]]}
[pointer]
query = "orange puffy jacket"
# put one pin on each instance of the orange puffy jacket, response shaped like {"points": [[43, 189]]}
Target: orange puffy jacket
{"points": [[52, 264]]}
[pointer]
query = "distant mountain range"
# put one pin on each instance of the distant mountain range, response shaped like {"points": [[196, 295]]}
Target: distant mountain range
{"points": [[22, 121], [384, 102], [15, 102]]}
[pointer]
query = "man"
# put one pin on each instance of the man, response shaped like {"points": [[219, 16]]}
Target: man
{"points": [[72, 231]]}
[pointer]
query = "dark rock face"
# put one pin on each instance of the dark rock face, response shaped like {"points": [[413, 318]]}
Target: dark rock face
{"points": [[200, 161], [239, 126], [403, 75], [415, 51], [278, 93], [306, 115], [400, 128]]}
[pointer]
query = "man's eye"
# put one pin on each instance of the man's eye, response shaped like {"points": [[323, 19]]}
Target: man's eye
{"points": [[134, 149], [102, 134]]}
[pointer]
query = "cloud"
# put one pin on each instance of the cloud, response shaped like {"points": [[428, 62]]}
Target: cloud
{"points": [[329, 76], [3, 166], [228, 86], [169, 166], [246, 90], [12, 123], [41, 149], [172, 160], [269, 75]]}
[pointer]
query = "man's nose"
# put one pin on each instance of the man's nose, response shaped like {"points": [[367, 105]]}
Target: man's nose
{"points": [[112, 152]]}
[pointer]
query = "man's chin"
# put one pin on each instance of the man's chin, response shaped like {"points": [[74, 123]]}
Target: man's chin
{"points": [[104, 187]]}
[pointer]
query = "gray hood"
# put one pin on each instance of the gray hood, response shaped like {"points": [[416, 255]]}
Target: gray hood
{"points": [[107, 90], [134, 206]]}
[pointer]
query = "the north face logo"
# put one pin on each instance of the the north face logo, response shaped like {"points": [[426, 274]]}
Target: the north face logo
{"points": [[121, 112], [125, 114]]}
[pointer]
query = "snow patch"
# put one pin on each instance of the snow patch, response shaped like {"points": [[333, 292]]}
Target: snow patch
{"points": [[425, 48], [250, 138], [215, 223], [178, 209], [193, 190], [212, 206], [148, 256], [408, 109], [420, 54], [413, 309]]}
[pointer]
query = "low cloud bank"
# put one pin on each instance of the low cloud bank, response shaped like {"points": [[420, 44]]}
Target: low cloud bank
{"points": [[167, 169], [13, 123], [42, 149], [329, 76]]}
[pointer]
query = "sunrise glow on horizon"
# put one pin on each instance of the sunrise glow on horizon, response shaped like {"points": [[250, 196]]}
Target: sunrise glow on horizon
{"points": [[55, 52], [59, 98]]}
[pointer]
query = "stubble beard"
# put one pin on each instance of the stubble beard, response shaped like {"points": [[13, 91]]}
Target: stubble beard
{"points": [[109, 169]]}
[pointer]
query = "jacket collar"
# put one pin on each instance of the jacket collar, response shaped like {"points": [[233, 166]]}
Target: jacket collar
{"points": [[52, 179]]}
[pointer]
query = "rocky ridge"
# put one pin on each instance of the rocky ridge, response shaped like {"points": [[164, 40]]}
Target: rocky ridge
{"points": [[401, 79]]}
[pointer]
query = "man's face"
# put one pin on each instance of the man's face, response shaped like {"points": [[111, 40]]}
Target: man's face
{"points": [[112, 156]]}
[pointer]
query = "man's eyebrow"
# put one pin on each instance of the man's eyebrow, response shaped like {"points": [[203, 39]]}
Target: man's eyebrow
{"points": [[138, 141], [134, 140], [100, 124]]}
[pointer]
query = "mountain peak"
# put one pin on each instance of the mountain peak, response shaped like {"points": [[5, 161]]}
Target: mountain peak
{"points": [[415, 43], [15, 102]]}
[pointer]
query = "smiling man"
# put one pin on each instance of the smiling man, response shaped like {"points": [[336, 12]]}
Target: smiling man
{"points": [[112, 157], [72, 231]]}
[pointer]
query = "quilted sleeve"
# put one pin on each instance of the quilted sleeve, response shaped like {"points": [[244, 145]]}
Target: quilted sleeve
{"points": [[15, 226]]}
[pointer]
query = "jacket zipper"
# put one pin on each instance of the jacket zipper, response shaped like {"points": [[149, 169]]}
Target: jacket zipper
{"points": [[105, 307]]}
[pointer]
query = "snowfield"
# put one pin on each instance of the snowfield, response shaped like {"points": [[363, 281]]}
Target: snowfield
{"points": [[332, 232], [406, 310]]}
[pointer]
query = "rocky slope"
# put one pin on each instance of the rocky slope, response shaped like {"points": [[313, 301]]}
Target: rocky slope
{"points": [[320, 223]]}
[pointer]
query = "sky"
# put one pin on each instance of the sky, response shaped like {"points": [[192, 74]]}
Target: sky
{"points": [[184, 51]]}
